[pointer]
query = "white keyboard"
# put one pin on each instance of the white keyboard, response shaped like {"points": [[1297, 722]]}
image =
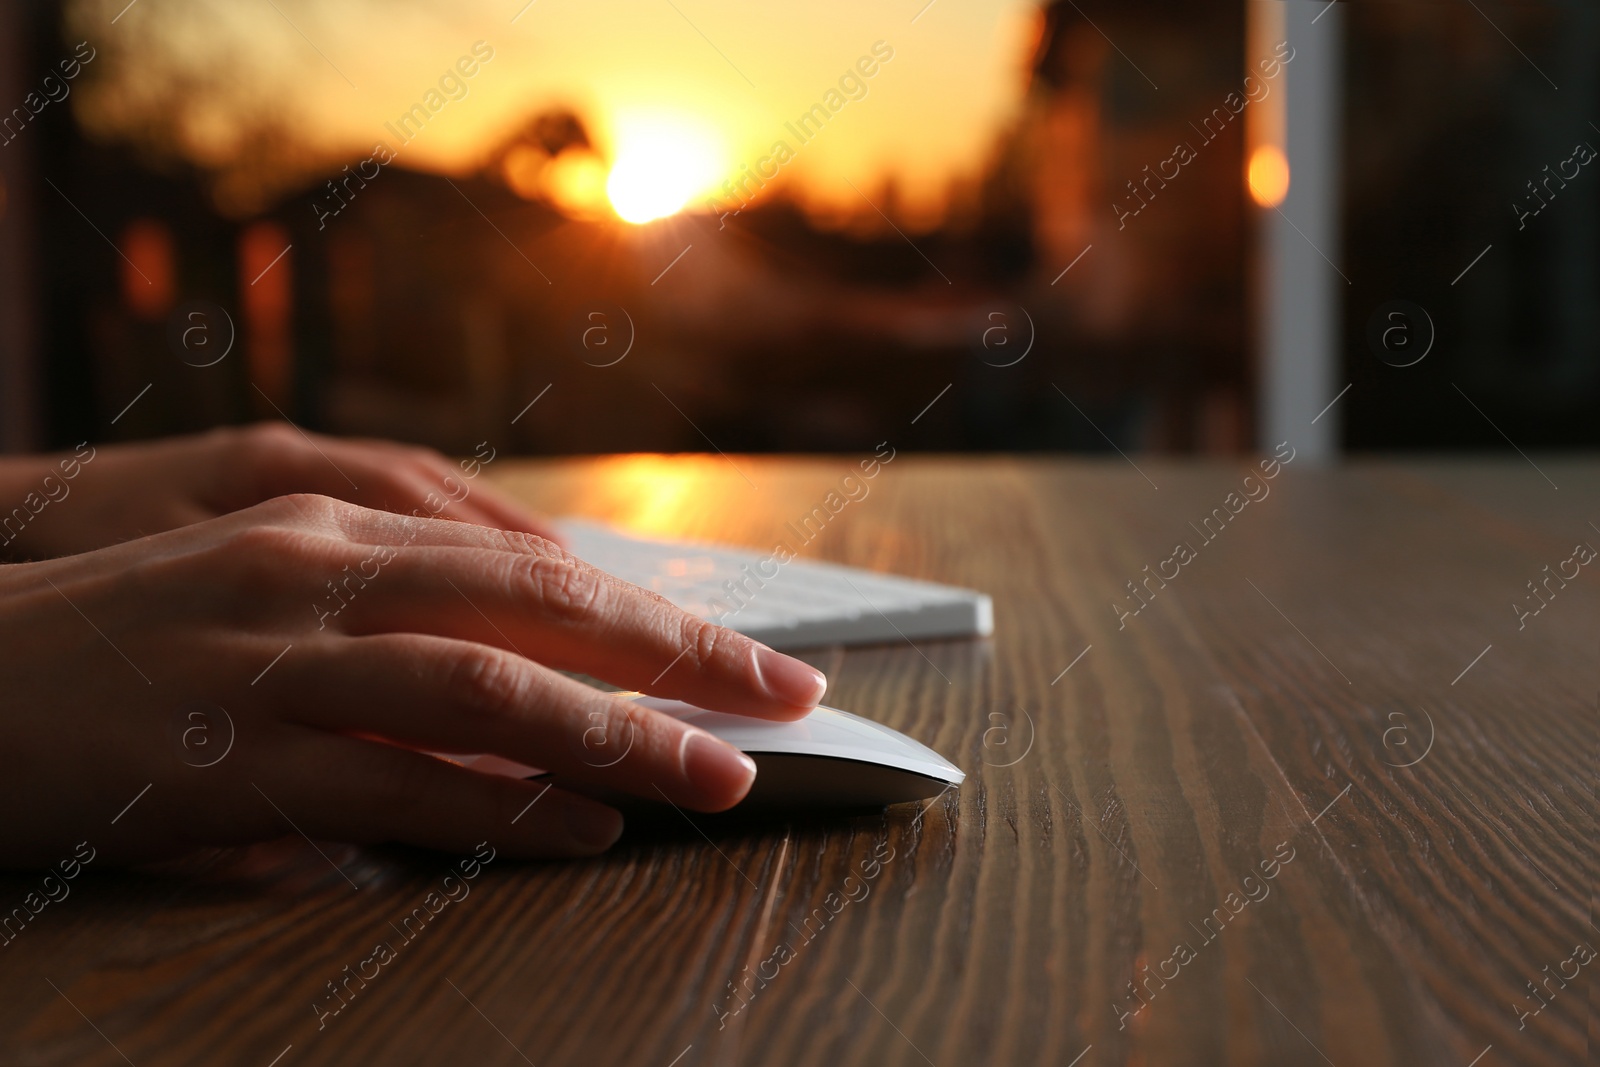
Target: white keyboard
{"points": [[803, 605]]}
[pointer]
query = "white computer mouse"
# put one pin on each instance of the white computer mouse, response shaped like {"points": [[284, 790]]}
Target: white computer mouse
{"points": [[829, 759]]}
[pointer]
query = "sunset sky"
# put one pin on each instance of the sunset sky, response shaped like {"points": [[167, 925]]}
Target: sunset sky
{"points": [[720, 76]]}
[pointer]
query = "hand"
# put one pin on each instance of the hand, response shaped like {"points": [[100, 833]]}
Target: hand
{"points": [[119, 492], [402, 634]]}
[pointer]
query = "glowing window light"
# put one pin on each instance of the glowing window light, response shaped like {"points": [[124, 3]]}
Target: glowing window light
{"points": [[1268, 176]]}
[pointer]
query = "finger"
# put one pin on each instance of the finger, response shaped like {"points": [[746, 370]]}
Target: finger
{"points": [[420, 493], [456, 696], [480, 510], [492, 505], [288, 462], [504, 512], [278, 459], [529, 593], [374, 474], [349, 789], [542, 603]]}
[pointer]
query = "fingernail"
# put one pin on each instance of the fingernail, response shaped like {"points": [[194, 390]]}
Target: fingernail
{"points": [[788, 680], [715, 768], [592, 826]]}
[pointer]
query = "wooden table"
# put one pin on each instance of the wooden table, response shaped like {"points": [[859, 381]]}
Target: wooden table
{"points": [[1334, 691]]}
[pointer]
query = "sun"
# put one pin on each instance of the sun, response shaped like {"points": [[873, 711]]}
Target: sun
{"points": [[661, 161]]}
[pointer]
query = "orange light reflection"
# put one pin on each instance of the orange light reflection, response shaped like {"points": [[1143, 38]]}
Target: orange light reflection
{"points": [[1268, 176], [660, 496]]}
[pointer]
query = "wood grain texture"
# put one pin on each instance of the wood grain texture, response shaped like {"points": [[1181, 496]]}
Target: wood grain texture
{"points": [[1261, 706]]}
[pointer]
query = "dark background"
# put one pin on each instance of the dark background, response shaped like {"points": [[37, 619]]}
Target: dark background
{"points": [[410, 316]]}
